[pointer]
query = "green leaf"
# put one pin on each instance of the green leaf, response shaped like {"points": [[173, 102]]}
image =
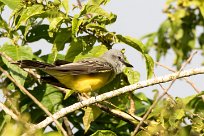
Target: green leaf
{"points": [[80, 46], [121, 123], [150, 40], [2, 120], [143, 133], [185, 131], [201, 40], [104, 133], [68, 93], [102, 20], [76, 22], [52, 13], [188, 99], [75, 48], [149, 65], [51, 58], [52, 98], [7, 118], [54, 22], [17, 73], [65, 4], [98, 2], [95, 9], [13, 4], [197, 124], [133, 42], [39, 32], [141, 96], [133, 76], [62, 37], [4, 24], [201, 7], [16, 14], [29, 12], [12, 129], [96, 27], [194, 102], [52, 133], [138, 45], [162, 44], [56, 2], [16, 53], [96, 51], [98, 12], [156, 94], [179, 113], [91, 113]]}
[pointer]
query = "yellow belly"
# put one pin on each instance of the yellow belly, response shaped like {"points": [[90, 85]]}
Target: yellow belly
{"points": [[84, 83]]}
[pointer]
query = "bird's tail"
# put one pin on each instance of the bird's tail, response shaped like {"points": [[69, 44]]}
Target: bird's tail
{"points": [[32, 64]]}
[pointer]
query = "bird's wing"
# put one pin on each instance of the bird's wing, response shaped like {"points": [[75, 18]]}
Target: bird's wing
{"points": [[87, 66]]}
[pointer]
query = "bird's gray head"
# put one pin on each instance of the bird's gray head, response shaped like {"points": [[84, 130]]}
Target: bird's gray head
{"points": [[116, 59]]}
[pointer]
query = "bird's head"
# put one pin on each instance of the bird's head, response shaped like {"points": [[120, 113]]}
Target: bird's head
{"points": [[117, 59]]}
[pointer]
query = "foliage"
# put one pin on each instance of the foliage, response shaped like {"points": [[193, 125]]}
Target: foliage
{"points": [[179, 31], [86, 35], [173, 117]]}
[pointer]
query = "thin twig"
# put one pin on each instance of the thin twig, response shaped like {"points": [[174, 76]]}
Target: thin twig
{"points": [[14, 116], [186, 79], [9, 101], [120, 91], [9, 112], [80, 7], [131, 110], [67, 125], [79, 4], [34, 99], [165, 91], [132, 119], [36, 76]]}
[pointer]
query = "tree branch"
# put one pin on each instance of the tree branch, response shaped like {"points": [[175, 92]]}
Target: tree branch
{"points": [[67, 126], [186, 79], [9, 112], [165, 92], [35, 100], [130, 118], [122, 90]]}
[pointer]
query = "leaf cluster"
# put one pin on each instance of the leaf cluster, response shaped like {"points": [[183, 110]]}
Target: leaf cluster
{"points": [[182, 117], [181, 31]]}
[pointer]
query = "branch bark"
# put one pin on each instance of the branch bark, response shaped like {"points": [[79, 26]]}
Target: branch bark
{"points": [[122, 90]]}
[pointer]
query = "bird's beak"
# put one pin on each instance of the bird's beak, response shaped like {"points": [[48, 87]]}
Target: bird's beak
{"points": [[127, 64]]}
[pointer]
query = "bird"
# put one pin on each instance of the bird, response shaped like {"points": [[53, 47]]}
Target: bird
{"points": [[83, 76]]}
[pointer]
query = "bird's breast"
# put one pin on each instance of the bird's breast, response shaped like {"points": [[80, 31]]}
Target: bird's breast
{"points": [[86, 83]]}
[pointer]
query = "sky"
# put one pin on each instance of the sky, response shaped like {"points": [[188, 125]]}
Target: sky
{"points": [[140, 17], [137, 18]]}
